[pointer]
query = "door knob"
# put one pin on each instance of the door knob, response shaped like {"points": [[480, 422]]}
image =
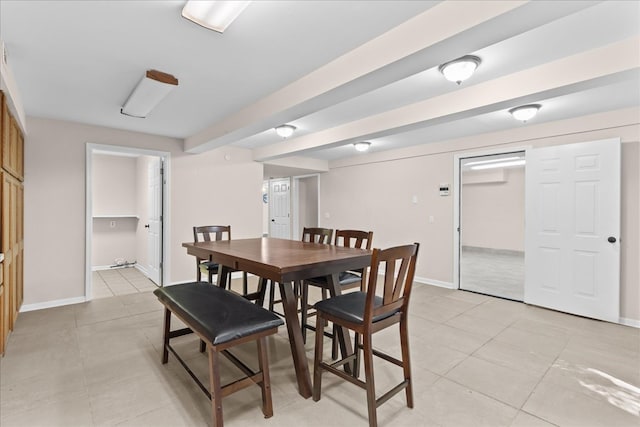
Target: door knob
{"points": [[146, 226], [273, 220], [611, 239]]}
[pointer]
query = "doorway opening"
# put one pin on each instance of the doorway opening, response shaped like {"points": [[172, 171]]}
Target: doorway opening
{"points": [[126, 214], [289, 205], [491, 226], [280, 208]]}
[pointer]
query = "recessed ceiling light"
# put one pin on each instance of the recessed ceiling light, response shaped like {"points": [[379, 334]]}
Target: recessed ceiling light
{"points": [[525, 112], [214, 15], [362, 145], [460, 69], [285, 131]]}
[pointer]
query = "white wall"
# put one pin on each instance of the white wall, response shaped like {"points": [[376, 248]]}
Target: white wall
{"points": [[205, 188], [492, 213], [142, 209], [375, 192]]}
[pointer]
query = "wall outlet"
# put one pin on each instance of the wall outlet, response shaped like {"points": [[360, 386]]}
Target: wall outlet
{"points": [[112, 224]]}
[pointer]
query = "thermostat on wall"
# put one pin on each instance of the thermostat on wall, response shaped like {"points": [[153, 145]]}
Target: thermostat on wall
{"points": [[444, 189]]}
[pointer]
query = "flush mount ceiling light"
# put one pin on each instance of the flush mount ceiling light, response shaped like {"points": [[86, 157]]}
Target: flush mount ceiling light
{"points": [[525, 112], [499, 165], [285, 131], [460, 69], [214, 15], [482, 162], [148, 93], [362, 145]]}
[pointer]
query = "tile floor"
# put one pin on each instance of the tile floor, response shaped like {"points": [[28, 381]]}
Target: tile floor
{"points": [[477, 361], [120, 281], [492, 272]]}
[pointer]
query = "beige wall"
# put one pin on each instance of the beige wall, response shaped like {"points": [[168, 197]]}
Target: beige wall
{"points": [[205, 188], [113, 193], [492, 213], [375, 192], [307, 202]]}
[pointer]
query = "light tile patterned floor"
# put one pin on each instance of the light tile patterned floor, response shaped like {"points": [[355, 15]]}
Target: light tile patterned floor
{"points": [[477, 361], [493, 272], [120, 281]]}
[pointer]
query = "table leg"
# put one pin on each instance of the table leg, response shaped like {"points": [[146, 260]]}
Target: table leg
{"points": [[344, 339], [223, 276], [295, 340]]}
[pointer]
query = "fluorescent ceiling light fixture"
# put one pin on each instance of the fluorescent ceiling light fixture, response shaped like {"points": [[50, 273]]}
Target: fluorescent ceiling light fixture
{"points": [[499, 165], [525, 112], [285, 131], [482, 162], [214, 15], [148, 93], [460, 69], [362, 145]]}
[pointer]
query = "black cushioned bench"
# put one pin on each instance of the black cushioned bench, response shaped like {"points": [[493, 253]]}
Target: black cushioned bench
{"points": [[222, 320]]}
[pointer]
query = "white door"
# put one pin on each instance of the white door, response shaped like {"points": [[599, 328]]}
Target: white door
{"points": [[572, 206], [154, 237], [280, 208]]}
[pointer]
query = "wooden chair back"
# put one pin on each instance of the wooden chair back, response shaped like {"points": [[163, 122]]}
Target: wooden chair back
{"points": [[211, 233], [354, 239], [396, 278], [317, 235]]}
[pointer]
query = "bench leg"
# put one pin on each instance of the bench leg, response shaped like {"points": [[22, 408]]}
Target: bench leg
{"points": [[265, 385], [165, 337], [216, 394]]}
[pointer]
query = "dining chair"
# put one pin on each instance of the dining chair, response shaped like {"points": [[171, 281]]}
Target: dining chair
{"points": [[347, 279], [366, 313], [212, 233], [311, 235]]}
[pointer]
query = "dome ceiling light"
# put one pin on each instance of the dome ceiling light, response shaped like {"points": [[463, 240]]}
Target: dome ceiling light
{"points": [[285, 131], [525, 112], [460, 69], [362, 146]]}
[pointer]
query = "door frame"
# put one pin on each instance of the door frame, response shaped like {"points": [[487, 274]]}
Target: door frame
{"points": [[457, 187], [165, 157]]}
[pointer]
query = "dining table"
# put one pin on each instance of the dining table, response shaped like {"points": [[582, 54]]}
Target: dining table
{"points": [[284, 262]]}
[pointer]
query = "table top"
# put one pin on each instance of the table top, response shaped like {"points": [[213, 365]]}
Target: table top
{"points": [[282, 259]]}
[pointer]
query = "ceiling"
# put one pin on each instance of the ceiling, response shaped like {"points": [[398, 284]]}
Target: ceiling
{"points": [[339, 71]]}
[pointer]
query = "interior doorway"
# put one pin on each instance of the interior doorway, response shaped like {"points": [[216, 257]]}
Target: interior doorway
{"points": [[126, 213], [280, 208], [289, 205], [492, 224]]}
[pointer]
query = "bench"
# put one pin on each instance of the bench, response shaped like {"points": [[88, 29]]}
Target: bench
{"points": [[222, 320]]}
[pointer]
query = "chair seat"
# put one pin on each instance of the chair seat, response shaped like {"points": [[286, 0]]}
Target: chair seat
{"points": [[209, 265], [345, 278], [219, 315], [350, 307]]}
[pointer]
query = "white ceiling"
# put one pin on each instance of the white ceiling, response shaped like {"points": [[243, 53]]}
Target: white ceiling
{"points": [[339, 71]]}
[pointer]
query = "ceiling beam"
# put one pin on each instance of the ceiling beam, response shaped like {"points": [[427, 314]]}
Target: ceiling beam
{"points": [[598, 67], [403, 51]]}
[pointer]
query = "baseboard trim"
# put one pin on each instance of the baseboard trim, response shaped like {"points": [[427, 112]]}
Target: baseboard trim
{"points": [[51, 304], [629, 322], [142, 270], [433, 282]]}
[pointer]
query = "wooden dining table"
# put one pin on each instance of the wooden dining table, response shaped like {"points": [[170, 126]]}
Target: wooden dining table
{"points": [[284, 261]]}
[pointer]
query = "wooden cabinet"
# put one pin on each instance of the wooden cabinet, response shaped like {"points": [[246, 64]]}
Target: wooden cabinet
{"points": [[12, 144], [11, 219]]}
